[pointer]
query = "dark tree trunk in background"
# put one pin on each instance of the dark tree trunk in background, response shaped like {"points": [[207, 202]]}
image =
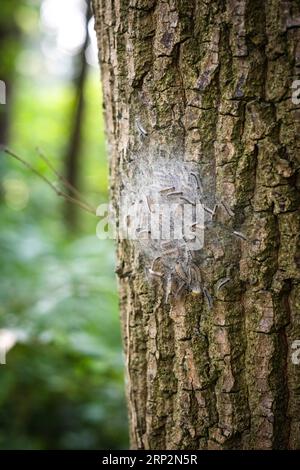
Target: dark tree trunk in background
{"points": [[72, 161], [10, 45], [9, 34], [211, 81], [5, 114]]}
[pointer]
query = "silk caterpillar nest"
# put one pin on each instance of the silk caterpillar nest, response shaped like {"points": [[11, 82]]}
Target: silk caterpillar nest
{"points": [[167, 214]]}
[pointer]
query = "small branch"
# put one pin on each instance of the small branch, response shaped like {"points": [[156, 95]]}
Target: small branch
{"points": [[64, 180], [58, 192]]}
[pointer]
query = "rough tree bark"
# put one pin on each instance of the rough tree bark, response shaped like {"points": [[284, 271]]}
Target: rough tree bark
{"points": [[211, 81]]}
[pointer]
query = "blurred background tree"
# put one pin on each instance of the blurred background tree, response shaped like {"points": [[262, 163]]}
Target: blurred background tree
{"points": [[62, 385]]}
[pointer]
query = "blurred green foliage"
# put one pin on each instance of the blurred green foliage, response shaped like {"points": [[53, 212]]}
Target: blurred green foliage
{"points": [[62, 386]]}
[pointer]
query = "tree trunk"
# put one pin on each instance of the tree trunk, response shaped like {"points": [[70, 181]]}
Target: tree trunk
{"points": [[209, 82], [72, 157]]}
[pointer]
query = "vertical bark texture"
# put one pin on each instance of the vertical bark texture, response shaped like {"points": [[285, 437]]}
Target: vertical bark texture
{"points": [[211, 81]]}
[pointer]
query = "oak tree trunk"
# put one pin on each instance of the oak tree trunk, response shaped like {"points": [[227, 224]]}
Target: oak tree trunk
{"points": [[210, 82]]}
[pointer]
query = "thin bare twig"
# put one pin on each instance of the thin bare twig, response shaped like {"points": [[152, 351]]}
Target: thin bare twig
{"points": [[64, 180], [58, 192]]}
